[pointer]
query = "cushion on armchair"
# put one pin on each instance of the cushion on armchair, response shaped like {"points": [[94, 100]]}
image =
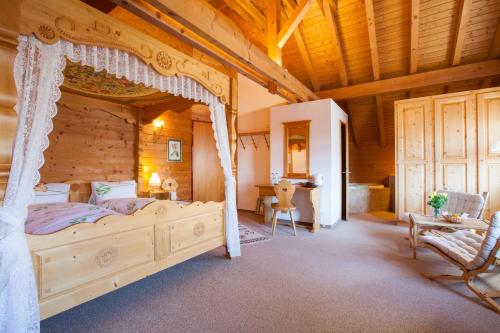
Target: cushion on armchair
{"points": [[464, 246]]}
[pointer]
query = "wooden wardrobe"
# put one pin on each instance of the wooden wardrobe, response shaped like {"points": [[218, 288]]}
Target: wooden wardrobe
{"points": [[449, 141]]}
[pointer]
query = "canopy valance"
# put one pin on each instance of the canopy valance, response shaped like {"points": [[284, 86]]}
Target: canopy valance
{"points": [[75, 22]]}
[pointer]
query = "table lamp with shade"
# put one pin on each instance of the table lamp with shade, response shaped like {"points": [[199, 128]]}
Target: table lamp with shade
{"points": [[154, 181]]}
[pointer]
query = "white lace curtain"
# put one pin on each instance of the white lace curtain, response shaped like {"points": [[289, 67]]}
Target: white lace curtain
{"points": [[38, 73]]}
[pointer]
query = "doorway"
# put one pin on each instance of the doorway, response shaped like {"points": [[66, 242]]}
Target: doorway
{"points": [[344, 170]]}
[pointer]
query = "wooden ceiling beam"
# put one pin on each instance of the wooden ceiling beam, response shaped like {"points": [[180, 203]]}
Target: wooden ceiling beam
{"points": [[348, 107], [330, 16], [273, 11], [301, 44], [293, 21], [486, 83], [176, 104], [495, 46], [201, 26], [372, 37], [462, 22], [249, 9], [332, 3], [493, 54], [415, 28], [417, 80]]}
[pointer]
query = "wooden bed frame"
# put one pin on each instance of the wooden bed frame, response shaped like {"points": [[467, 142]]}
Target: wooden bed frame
{"points": [[88, 260], [85, 261]]}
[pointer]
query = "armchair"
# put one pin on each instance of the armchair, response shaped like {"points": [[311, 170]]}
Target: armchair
{"points": [[471, 253]]}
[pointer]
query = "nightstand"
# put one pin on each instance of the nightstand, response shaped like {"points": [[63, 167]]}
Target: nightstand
{"points": [[158, 194]]}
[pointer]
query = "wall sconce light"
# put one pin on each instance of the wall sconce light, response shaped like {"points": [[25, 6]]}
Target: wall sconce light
{"points": [[154, 181], [158, 124]]}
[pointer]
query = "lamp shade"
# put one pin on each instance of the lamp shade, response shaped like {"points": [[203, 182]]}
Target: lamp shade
{"points": [[158, 123], [154, 180]]}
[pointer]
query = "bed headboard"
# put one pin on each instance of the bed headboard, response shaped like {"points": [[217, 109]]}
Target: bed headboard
{"points": [[79, 190]]}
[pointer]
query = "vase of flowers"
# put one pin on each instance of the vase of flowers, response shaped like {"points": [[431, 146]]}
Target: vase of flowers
{"points": [[437, 201]]}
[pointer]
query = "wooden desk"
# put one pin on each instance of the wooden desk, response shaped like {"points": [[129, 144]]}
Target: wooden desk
{"points": [[266, 192], [428, 222]]}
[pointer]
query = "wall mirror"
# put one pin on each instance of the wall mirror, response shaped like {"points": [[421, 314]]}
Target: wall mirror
{"points": [[296, 149]]}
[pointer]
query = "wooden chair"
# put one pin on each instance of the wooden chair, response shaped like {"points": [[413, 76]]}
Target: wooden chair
{"points": [[471, 261], [284, 191]]}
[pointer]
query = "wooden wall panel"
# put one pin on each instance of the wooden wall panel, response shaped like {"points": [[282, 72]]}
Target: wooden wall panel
{"points": [[153, 152], [369, 162], [462, 147], [92, 140], [414, 155], [455, 143], [488, 105], [9, 28]]}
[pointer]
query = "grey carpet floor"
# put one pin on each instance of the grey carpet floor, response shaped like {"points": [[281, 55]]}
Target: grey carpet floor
{"points": [[357, 277]]}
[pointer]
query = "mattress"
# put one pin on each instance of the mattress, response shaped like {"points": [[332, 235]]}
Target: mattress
{"points": [[52, 217]]}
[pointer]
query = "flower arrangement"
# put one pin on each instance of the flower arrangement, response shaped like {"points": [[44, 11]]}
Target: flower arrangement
{"points": [[437, 201]]}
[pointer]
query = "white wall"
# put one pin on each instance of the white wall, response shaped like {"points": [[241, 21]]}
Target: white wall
{"points": [[254, 102], [324, 155]]}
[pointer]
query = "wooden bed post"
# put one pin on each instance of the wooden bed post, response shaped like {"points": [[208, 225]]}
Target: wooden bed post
{"points": [[232, 123], [9, 30], [140, 147]]}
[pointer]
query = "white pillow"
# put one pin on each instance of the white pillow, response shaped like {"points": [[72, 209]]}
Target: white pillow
{"points": [[55, 192], [102, 191]]}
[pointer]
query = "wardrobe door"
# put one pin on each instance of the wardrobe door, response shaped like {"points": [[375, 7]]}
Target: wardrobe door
{"points": [[455, 143], [488, 107], [414, 137]]}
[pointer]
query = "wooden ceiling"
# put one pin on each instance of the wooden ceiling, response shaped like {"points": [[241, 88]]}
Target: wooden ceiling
{"points": [[374, 36], [378, 44], [363, 53]]}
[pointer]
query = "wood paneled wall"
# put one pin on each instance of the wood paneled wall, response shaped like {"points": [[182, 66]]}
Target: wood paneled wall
{"points": [[9, 28], [153, 152], [369, 161], [92, 140]]}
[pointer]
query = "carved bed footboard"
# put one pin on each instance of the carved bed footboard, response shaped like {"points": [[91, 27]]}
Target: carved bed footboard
{"points": [[85, 261]]}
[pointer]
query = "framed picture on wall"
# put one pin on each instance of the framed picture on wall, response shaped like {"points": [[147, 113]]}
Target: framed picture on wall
{"points": [[174, 150]]}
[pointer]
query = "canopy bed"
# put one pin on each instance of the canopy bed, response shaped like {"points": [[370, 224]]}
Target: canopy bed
{"points": [[86, 260]]}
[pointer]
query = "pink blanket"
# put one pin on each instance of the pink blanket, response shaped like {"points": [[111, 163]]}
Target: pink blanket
{"points": [[126, 206], [48, 218]]}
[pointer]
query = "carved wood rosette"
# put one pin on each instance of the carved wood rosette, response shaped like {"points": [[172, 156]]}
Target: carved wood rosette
{"points": [[79, 23]]}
